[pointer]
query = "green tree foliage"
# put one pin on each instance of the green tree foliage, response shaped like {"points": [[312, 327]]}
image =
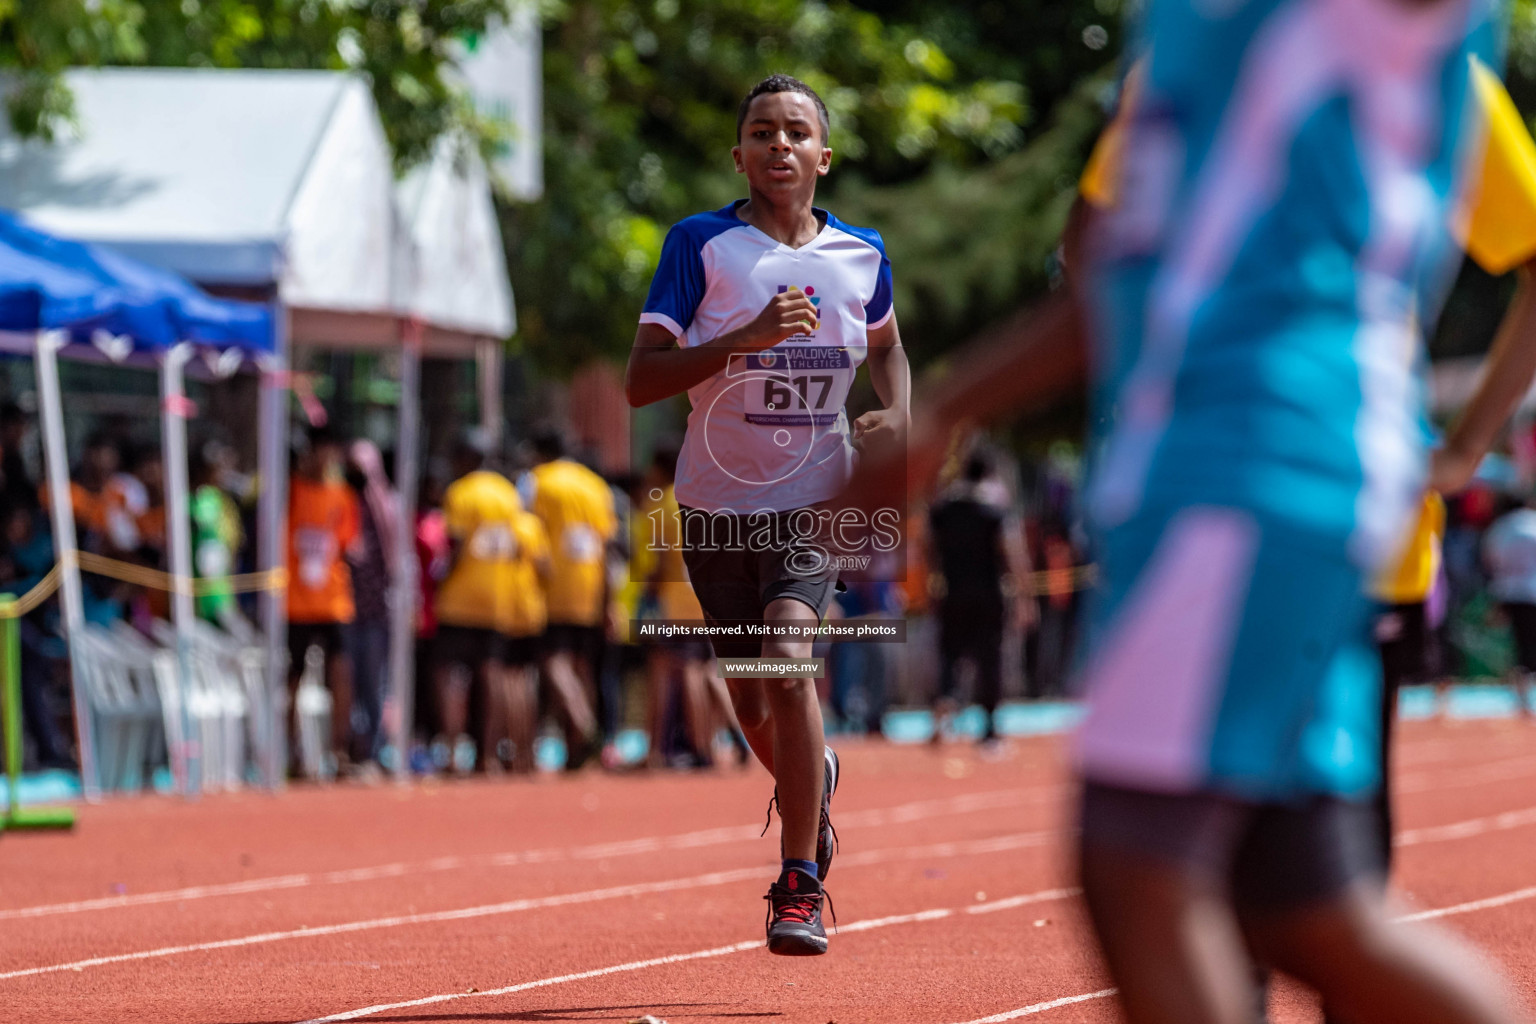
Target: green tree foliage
{"points": [[405, 47], [640, 108]]}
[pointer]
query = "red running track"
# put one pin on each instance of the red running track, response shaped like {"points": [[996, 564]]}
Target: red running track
{"points": [[606, 898]]}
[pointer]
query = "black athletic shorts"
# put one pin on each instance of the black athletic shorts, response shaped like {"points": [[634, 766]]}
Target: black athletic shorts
{"points": [[1403, 637], [1276, 857], [467, 645], [521, 651], [738, 565], [1522, 622], [584, 641], [330, 637]]}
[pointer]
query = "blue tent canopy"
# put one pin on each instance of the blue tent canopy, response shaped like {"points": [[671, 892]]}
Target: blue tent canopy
{"points": [[48, 283]]}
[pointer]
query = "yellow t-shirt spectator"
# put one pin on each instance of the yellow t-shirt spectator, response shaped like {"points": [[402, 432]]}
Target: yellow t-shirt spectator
{"points": [[529, 611], [658, 547], [577, 509], [481, 511]]}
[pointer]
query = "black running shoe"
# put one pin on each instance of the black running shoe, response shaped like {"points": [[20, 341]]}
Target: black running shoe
{"points": [[826, 835], [794, 915]]}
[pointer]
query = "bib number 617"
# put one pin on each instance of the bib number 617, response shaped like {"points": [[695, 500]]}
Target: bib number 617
{"points": [[780, 392]]}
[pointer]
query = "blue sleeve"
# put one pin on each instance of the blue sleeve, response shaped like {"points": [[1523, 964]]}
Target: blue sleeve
{"points": [[678, 287], [879, 308]]}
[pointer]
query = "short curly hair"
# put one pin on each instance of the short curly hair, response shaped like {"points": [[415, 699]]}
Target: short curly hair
{"points": [[785, 83]]}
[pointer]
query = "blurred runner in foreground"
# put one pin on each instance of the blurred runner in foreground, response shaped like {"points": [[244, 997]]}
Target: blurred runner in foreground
{"points": [[1284, 225]]}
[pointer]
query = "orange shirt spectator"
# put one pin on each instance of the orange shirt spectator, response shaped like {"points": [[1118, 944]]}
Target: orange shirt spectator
{"points": [[90, 508], [323, 521]]}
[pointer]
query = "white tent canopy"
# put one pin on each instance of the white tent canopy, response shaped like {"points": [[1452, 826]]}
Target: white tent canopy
{"points": [[248, 178], [282, 181], [459, 280]]}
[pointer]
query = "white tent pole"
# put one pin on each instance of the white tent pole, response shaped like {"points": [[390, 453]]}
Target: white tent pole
{"points": [[56, 457], [488, 366], [402, 634], [173, 448], [271, 546]]}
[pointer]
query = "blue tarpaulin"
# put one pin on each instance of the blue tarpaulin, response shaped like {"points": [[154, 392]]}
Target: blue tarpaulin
{"points": [[48, 283]]}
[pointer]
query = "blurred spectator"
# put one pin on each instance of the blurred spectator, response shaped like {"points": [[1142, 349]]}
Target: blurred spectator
{"points": [[217, 537], [525, 626], [474, 602], [372, 561], [322, 524], [862, 671], [88, 492], [1057, 603], [680, 681], [610, 658], [16, 487], [124, 501], [26, 556], [133, 506], [432, 555], [1509, 549], [979, 550], [576, 507]]}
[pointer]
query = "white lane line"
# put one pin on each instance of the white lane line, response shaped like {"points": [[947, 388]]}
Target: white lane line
{"points": [[936, 914], [1467, 829], [997, 844], [633, 965], [1034, 1008], [900, 814], [1504, 900], [1489, 903], [1420, 781], [1019, 901]]}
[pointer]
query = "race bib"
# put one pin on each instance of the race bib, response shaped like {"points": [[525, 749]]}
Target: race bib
{"points": [[212, 558], [581, 543], [316, 551], [797, 387], [493, 542]]}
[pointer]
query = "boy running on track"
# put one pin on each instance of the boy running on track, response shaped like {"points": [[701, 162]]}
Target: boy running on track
{"points": [[1284, 224], [763, 311]]}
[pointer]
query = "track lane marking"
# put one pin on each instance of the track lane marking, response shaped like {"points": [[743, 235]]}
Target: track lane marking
{"points": [[995, 844], [1501, 770], [1466, 829], [875, 817], [1471, 906], [869, 924], [1034, 1008]]}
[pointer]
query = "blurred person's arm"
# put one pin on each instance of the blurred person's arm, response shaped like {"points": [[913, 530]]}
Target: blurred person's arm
{"points": [[1500, 234], [1021, 593], [1507, 376], [349, 532]]}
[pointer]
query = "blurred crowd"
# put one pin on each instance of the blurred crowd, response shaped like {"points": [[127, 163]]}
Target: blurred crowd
{"points": [[531, 570]]}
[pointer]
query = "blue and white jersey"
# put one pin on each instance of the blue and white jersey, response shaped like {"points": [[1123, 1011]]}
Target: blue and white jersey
{"points": [[770, 431], [1283, 227]]}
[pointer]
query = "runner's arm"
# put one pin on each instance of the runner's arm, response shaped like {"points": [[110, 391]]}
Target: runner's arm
{"points": [[892, 378], [1507, 376], [660, 368]]}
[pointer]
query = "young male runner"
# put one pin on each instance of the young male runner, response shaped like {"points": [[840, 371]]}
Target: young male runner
{"points": [[1283, 226], [763, 311]]}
